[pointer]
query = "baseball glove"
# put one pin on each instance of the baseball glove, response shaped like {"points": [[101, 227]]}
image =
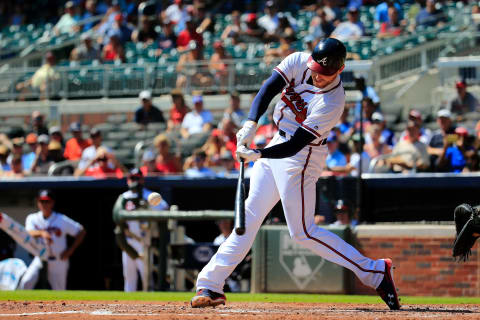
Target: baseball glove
{"points": [[467, 224]]}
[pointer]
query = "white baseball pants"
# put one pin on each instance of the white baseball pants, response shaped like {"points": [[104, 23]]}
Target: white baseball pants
{"points": [[57, 274], [292, 180], [130, 267]]}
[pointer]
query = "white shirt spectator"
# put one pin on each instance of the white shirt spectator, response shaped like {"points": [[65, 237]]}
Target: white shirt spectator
{"points": [[65, 24], [269, 23], [88, 154], [347, 31], [194, 121], [175, 14]]}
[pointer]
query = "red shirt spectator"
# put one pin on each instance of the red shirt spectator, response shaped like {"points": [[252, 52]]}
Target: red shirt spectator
{"points": [[185, 36], [76, 145], [103, 172]]}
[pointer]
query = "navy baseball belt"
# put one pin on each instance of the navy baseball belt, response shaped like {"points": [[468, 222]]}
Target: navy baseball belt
{"points": [[284, 134]]}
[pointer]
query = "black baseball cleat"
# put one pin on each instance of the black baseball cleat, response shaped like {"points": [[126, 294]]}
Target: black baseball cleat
{"points": [[387, 290], [207, 298]]}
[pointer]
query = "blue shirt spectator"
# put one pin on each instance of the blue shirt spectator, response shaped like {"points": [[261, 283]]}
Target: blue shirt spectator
{"points": [[456, 159], [381, 11], [430, 16], [198, 169], [334, 158]]}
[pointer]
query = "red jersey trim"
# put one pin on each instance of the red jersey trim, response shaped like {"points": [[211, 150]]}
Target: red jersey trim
{"points": [[311, 130]]}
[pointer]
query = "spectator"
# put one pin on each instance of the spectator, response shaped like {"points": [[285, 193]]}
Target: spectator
{"points": [[67, 23], [4, 152], [349, 30], [189, 34], [56, 135], [227, 163], [455, 149], [17, 149], [90, 152], [286, 26], [194, 166], [345, 126], [178, 110], [55, 151], [430, 16], [167, 38], [410, 154], [381, 11], [147, 112], [177, 13], [166, 162], [28, 158], [253, 30], [343, 214], [113, 50], [464, 102], [377, 146], [234, 30], [425, 133], [268, 129], [217, 64], [76, 144], [336, 161], [44, 81], [197, 120], [203, 19], [213, 147], [16, 168], [149, 167], [357, 155], [146, 33], [387, 135], [229, 134], [120, 29], [320, 27], [393, 27], [234, 112], [38, 123], [187, 67], [104, 165], [90, 11], [85, 51], [269, 21], [446, 126], [367, 92], [107, 21], [333, 12], [310, 42], [369, 109], [43, 158]]}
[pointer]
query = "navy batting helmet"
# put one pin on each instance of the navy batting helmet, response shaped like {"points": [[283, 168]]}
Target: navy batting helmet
{"points": [[327, 57]]}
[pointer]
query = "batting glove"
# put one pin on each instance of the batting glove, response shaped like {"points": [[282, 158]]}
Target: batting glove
{"points": [[246, 134], [247, 154]]}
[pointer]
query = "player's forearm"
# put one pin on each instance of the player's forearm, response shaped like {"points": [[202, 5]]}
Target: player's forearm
{"points": [[35, 233], [270, 88], [299, 140], [78, 240]]}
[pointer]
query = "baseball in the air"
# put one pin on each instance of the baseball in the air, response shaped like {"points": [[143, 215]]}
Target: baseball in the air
{"points": [[154, 199]]}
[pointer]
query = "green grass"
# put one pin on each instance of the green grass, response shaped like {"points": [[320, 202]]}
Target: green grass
{"points": [[44, 295]]}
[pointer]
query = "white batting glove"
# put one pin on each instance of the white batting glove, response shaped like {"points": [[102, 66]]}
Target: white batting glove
{"points": [[247, 154], [246, 134]]}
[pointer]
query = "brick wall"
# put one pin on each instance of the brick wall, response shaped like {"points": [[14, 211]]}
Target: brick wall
{"points": [[422, 255]]}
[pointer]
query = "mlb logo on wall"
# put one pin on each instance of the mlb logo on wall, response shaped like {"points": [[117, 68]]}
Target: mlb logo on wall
{"points": [[300, 263]]}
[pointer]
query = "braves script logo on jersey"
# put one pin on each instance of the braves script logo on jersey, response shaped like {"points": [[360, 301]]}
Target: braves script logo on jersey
{"points": [[295, 102]]}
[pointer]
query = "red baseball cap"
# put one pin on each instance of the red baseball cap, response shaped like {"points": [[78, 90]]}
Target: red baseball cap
{"points": [[45, 195], [319, 67], [415, 114], [461, 84], [251, 17], [461, 131]]}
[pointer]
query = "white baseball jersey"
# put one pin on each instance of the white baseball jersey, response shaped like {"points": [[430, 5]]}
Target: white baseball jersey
{"points": [[57, 225], [293, 181]]}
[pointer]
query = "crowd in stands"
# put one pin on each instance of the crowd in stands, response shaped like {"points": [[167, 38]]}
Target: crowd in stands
{"points": [[109, 28], [191, 142]]}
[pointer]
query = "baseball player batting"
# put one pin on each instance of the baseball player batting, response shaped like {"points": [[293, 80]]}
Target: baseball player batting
{"points": [[311, 103]]}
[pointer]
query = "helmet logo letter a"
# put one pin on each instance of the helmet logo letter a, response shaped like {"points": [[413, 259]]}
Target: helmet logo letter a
{"points": [[323, 61]]}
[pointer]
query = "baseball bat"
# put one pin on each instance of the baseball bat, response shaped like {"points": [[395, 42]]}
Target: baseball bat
{"points": [[240, 201]]}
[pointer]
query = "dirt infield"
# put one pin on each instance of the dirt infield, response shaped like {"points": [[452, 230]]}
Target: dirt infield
{"points": [[130, 310]]}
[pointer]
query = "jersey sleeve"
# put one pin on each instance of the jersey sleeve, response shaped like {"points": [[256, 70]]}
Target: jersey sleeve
{"points": [[70, 227], [29, 226], [324, 117], [292, 67]]}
